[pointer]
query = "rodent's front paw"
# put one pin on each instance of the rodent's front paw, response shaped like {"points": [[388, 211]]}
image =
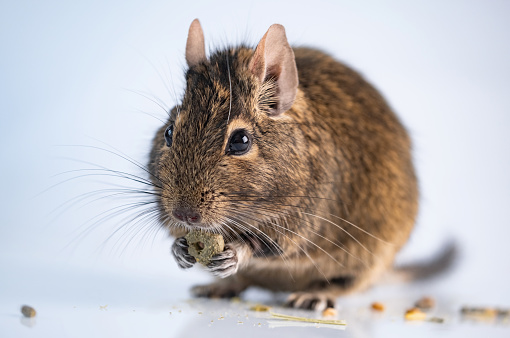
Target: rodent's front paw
{"points": [[181, 255], [224, 264]]}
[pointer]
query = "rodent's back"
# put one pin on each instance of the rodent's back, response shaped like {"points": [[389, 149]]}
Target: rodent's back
{"points": [[360, 171]]}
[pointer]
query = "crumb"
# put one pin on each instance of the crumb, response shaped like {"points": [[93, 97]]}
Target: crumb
{"points": [[28, 311], [425, 303], [260, 308], [103, 307], [480, 313], [235, 300], [239, 322], [436, 320], [329, 312], [377, 306], [200, 313], [415, 314]]}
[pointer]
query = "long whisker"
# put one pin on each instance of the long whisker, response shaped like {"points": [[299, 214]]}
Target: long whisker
{"points": [[125, 157], [237, 221], [310, 210], [297, 245], [341, 247], [252, 210]]}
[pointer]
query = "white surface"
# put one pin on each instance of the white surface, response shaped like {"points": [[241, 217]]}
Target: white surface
{"points": [[70, 74]]}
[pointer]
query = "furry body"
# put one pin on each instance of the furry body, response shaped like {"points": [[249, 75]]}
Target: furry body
{"points": [[323, 200]]}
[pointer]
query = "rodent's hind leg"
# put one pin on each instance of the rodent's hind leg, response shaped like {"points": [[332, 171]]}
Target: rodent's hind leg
{"points": [[310, 300], [321, 295], [225, 288]]}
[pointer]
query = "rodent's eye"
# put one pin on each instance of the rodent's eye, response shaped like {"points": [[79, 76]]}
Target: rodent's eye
{"points": [[169, 131], [239, 143]]}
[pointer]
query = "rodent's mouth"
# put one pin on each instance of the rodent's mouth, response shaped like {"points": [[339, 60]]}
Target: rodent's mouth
{"points": [[201, 227]]}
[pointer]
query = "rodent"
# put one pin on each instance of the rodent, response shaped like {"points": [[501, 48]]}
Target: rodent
{"points": [[296, 160]]}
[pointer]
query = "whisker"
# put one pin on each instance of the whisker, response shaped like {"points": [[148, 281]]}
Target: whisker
{"points": [[341, 247], [297, 245], [153, 99], [330, 214], [301, 236], [271, 242], [121, 155]]}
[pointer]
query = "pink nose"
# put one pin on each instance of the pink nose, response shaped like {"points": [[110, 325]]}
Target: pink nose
{"points": [[187, 215]]}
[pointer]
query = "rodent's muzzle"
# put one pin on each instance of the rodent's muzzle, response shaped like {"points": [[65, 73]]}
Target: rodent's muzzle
{"points": [[186, 215]]}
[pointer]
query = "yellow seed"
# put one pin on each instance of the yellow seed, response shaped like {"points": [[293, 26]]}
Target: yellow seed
{"points": [[415, 314]]}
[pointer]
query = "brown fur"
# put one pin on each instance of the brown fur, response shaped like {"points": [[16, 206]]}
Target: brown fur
{"points": [[338, 157]]}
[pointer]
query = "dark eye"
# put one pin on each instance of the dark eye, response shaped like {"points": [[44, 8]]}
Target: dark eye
{"points": [[239, 143], [168, 135]]}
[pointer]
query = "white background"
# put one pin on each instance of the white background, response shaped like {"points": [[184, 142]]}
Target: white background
{"points": [[87, 73]]}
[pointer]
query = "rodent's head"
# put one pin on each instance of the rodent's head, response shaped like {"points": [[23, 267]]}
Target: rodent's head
{"points": [[230, 142]]}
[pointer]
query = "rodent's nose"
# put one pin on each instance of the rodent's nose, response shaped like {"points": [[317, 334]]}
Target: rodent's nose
{"points": [[187, 215]]}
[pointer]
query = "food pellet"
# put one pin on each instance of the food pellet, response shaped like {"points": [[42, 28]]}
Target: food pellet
{"points": [[480, 312], [28, 311], [377, 306], [203, 245], [425, 303], [329, 312], [415, 314], [436, 320], [260, 308]]}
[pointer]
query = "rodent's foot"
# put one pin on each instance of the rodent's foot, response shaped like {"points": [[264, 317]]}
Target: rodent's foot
{"points": [[309, 301], [224, 264], [215, 290], [181, 255]]}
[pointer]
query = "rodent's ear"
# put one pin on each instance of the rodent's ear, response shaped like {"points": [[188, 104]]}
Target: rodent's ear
{"points": [[274, 58], [195, 46]]}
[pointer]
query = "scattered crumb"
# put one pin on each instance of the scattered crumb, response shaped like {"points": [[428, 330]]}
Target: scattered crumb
{"points": [[260, 308], [425, 303], [436, 320], [200, 313], [221, 318], [415, 314], [235, 300], [377, 306], [239, 322], [28, 311], [170, 312], [329, 312], [180, 311], [480, 312], [504, 312], [103, 307]]}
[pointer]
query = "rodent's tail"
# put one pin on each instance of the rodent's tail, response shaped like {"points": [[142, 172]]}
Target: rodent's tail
{"points": [[429, 269]]}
